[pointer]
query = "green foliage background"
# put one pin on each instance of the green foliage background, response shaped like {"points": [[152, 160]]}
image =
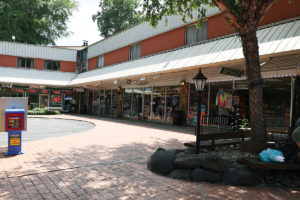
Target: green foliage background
{"points": [[116, 15], [35, 21]]}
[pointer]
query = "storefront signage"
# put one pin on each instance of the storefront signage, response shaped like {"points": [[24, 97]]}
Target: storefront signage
{"points": [[78, 89], [17, 90], [7, 85], [32, 91], [69, 92], [231, 72], [56, 92], [37, 86], [44, 91]]}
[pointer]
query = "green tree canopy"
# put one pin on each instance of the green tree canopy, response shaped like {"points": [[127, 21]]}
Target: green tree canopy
{"points": [[35, 21], [245, 16], [116, 15]]}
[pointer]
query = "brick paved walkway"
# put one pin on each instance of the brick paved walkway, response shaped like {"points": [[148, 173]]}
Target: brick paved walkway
{"points": [[109, 162]]}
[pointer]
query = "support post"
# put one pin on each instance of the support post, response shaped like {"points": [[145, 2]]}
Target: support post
{"points": [[198, 123]]}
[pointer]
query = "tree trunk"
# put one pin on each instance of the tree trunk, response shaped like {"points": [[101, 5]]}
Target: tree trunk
{"points": [[250, 50]]}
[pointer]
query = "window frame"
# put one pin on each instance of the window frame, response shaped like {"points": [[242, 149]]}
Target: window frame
{"points": [[134, 48], [25, 59], [52, 65], [198, 33], [100, 64]]}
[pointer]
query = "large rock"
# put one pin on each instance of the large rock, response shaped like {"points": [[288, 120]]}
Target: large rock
{"points": [[176, 151], [200, 175], [215, 164], [183, 174], [190, 162], [239, 175], [162, 162]]}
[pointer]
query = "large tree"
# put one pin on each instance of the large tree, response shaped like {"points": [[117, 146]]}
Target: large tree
{"points": [[116, 15], [245, 16], [35, 21]]}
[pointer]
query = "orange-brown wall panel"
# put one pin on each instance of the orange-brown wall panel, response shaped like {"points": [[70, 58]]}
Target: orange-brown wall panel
{"points": [[67, 66], [92, 63], [218, 26], [162, 42], [38, 63], [8, 61], [282, 10], [116, 56]]}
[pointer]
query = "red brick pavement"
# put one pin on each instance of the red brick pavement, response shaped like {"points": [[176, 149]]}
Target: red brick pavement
{"points": [[109, 162]]}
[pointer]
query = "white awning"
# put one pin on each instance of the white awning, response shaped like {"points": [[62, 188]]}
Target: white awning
{"points": [[33, 76], [272, 40]]}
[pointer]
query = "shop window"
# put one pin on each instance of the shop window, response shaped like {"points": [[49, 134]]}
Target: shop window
{"points": [[135, 51], [100, 61], [194, 34], [127, 103], [159, 103], [147, 103], [25, 62], [52, 65]]}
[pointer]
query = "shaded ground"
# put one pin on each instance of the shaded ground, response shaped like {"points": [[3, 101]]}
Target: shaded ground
{"points": [[109, 162], [39, 128]]}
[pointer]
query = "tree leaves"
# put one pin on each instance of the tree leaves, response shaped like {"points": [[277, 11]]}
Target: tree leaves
{"points": [[35, 21], [116, 15]]}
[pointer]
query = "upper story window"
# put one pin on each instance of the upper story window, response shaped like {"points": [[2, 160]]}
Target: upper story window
{"points": [[25, 62], [52, 65], [100, 61], [135, 51], [194, 34]]}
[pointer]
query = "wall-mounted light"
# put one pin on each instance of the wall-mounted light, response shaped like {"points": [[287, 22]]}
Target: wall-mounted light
{"points": [[143, 78], [182, 82], [13, 38], [115, 82]]}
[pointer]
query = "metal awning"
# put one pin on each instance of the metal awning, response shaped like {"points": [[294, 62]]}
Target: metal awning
{"points": [[35, 77], [272, 40]]}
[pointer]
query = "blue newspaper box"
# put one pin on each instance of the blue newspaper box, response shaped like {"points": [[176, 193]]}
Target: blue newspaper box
{"points": [[14, 125]]}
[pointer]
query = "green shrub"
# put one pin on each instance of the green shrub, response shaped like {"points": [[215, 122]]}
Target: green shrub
{"points": [[42, 111]]}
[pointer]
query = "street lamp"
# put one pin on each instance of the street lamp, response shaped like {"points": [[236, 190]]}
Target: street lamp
{"points": [[199, 81]]}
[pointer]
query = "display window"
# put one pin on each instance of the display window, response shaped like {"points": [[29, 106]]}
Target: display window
{"points": [[172, 102], [102, 102], [55, 99], [96, 103], [127, 102], [147, 103], [137, 102], [277, 110], [14, 92], [159, 103], [107, 108], [114, 101]]}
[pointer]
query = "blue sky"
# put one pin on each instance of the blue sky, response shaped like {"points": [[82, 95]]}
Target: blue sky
{"points": [[81, 25]]}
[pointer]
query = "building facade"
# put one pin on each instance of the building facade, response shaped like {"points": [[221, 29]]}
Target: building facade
{"points": [[146, 73]]}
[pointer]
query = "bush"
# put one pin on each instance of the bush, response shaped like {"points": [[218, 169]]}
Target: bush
{"points": [[42, 111]]}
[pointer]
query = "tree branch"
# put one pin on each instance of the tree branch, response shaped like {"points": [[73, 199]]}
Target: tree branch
{"points": [[224, 7], [263, 8]]}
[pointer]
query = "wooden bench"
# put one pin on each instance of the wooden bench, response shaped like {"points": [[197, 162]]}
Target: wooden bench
{"points": [[258, 164], [219, 136]]}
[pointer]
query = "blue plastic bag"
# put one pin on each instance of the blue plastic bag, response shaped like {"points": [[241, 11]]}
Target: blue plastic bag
{"points": [[271, 155]]}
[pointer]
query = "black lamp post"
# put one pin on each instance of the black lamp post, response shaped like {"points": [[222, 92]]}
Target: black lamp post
{"points": [[199, 81]]}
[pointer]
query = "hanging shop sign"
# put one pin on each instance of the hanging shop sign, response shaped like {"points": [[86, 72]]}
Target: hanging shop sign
{"points": [[37, 86], [56, 92], [55, 99], [78, 89], [7, 85], [231, 72]]}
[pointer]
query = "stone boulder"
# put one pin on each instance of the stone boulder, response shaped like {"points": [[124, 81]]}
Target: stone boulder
{"points": [[162, 162], [176, 151], [190, 162], [239, 175], [200, 175], [183, 174], [216, 164]]}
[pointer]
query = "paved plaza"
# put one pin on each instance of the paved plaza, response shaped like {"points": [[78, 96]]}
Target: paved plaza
{"points": [[109, 162]]}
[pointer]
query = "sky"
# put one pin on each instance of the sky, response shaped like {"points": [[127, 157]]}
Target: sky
{"points": [[81, 25]]}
